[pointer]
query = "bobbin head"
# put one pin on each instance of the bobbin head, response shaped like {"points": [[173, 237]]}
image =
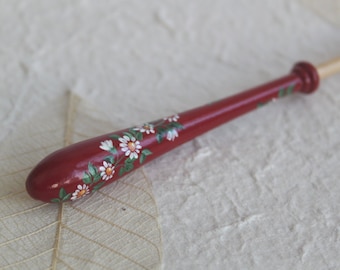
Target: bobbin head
{"points": [[308, 75]]}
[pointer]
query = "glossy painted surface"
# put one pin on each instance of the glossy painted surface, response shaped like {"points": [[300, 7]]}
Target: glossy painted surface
{"points": [[80, 169]]}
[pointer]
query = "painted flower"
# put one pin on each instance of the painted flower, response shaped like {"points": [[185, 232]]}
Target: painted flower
{"points": [[106, 145], [172, 135], [106, 171], [130, 146], [146, 128], [81, 191], [173, 118]]}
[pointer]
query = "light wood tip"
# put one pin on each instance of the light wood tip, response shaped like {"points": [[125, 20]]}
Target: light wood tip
{"points": [[329, 68]]}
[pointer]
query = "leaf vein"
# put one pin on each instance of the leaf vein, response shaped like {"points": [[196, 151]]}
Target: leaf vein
{"points": [[85, 259], [28, 259], [127, 204], [11, 194], [25, 211], [27, 235], [117, 226], [104, 246]]}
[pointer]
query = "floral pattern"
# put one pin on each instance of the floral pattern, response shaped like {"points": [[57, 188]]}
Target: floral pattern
{"points": [[282, 93], [106, 145], [173, 118], [130, 145], [146, 128], [81, 191], [172, 135], [107, 170]]}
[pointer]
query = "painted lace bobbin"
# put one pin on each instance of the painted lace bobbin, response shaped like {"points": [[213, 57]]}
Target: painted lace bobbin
{"points": [[82, 168]]}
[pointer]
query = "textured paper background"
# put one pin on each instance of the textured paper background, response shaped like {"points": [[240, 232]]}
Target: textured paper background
{"points": [[261, 192]]}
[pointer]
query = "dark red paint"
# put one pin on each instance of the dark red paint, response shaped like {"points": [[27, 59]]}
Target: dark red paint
{"points": [[65, 168]]}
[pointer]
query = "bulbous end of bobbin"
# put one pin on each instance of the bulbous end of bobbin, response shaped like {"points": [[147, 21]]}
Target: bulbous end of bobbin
{"points": [[309, 76]]}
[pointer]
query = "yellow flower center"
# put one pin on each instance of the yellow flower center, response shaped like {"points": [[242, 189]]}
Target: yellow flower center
{"points": [[81, 193], [147, 127], [131, 146], [108, 171]]}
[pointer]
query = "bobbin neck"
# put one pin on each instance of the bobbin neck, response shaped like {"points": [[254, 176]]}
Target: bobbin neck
{"points": [[309, 76]]}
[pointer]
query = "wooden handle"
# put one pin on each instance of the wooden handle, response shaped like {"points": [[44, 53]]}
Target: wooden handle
{"points": [[329, 68]]}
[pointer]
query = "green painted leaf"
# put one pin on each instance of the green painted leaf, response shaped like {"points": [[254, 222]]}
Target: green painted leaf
{"points": [[128, 134], [62, 193], [96, 187], [139, 136], [114, 136], [129, 160], [176, 125], [133, 132], [161, 129], [87, 179], [109, 159], [55, 200], [146, 152], [142, 158], [128, 164], [281, 93], [128, 167], [96, 177], [159, 137], [114, 151], [67, 197], [121, 171], [92, 169], [290, 89]]}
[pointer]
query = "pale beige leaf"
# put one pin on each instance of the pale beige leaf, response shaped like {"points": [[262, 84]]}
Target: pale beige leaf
{"points": [[117, 228]]}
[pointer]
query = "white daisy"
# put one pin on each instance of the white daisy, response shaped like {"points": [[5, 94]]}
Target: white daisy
{"points": [[173, 118], [81, 191], [172, 135], [130, 146], [106, 145], [146, 128], [106, 171]]}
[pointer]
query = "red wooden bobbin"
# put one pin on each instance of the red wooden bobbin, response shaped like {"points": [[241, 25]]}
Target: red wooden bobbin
{"points": [[82, 168]]}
